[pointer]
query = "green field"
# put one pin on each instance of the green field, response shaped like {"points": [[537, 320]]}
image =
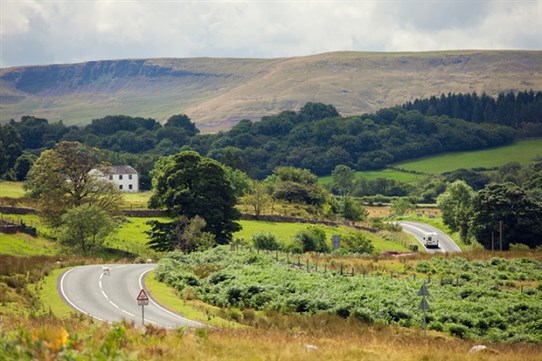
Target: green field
{"points": [[285, 232], [385, 173], [11, 189], [523, 152]]}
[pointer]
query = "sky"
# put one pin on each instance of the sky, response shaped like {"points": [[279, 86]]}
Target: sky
{"points": [[37, 32]]}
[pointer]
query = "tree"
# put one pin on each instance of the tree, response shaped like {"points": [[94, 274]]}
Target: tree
{"points": [[456, 206], [257, 198], [22, 166], [507, 207], [86, 227], [298, 185], [187, 184], [400, 206], [60, 179], [183, 234], [10, 148], [182, 121], [351, 210], [342, 179]]}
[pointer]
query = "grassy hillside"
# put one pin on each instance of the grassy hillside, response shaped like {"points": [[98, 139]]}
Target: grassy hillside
{"points": [[216, 93], [524, 152]]}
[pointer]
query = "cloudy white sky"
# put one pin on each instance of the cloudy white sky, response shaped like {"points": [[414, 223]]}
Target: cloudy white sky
{"points": [[67, 31]]}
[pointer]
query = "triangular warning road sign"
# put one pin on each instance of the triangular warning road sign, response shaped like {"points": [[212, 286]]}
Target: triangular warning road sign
{"points": [[423, 291], [424, 305], [142, 296]]}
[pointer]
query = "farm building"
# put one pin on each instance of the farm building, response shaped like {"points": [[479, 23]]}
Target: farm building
{"points": [[124, 176]]}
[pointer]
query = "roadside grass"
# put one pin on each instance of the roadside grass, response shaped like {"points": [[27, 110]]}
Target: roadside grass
{"points": [[308, 338], [523, 152], [50, 297], [192, 309]]}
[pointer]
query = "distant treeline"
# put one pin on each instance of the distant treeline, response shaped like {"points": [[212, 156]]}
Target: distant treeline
{"points": [[316, 137], [517, 110]]}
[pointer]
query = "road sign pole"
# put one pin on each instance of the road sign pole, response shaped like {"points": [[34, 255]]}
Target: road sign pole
{"points": [[424, 306], [143, 313], [424, 323]]}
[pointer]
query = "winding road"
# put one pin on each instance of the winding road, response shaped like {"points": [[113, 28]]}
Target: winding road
{"points": [[417, 229], [112, 297]]}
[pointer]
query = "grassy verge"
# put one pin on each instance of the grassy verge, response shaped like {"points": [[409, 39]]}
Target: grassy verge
{"points": [[191, 309], [50, 297]]}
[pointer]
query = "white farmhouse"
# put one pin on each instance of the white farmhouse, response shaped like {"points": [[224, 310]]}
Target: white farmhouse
{"points": [[124, 176]]}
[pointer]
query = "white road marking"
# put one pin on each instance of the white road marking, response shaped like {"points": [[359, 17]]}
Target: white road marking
{"points": [[109, 300], [165, 309], [70, 302]]}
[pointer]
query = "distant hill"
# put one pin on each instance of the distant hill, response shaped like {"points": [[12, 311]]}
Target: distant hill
{"points": [[216, 93]]}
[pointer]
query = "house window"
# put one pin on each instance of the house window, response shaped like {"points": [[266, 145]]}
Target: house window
{"points": [[129, 176], [111, 177], [120, 186], [120, 176], [130, 186]]}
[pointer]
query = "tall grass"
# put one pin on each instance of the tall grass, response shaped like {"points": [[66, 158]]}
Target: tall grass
{"points": [[309, 338]]}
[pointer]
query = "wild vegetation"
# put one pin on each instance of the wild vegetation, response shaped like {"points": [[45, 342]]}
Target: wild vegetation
{"points": [[496, 299]]}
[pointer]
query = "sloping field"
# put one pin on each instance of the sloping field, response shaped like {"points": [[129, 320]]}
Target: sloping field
{"points": [[523, 152]]}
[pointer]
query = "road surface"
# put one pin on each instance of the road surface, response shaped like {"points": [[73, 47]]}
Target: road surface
{"points": [[112, 297], [446, 244]]}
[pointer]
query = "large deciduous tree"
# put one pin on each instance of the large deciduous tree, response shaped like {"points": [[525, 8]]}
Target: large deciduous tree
{"points": [[456, 207], [60, 180], [507, 207], [187, 184]]}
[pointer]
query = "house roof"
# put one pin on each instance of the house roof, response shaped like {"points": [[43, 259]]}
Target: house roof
{"points": [[118, 169]]}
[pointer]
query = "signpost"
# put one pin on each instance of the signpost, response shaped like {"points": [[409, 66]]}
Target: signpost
{"points": [[424, 306], [142, 300]]}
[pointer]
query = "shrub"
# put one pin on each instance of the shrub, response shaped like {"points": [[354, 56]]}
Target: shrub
{"points": [[312, 239], [458, 330], [357, 243], [268, 241]]}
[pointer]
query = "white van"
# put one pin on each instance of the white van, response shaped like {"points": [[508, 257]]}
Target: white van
{"points": [[431, 240]]}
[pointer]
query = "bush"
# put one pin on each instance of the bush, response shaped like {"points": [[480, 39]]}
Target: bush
{"points": [[268, 241], [519, 247], [313, 239], [458, 330], [357, 243]]}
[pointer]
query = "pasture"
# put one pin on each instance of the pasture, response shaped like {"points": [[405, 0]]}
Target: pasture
{"points": [[523, 152]]}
